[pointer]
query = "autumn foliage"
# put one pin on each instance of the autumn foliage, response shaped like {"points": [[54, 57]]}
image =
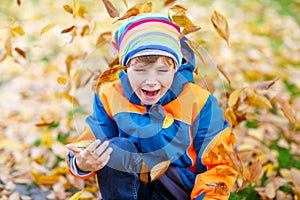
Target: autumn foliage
{"points": [[54, 56]]}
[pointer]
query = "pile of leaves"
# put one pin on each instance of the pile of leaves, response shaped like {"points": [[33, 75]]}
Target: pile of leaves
{"points": [[248, 56]]}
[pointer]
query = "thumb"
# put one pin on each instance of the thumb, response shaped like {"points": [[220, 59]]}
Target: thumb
{"points": [[73, 148]]}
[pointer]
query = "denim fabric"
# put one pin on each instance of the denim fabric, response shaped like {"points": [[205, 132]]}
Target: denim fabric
{"points": [[119, 179]]}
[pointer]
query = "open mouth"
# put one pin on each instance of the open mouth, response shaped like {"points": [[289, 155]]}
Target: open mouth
{"points": [[149, 93]]}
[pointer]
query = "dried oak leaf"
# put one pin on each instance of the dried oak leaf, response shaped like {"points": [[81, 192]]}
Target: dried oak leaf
{"points": [[221, 25]]}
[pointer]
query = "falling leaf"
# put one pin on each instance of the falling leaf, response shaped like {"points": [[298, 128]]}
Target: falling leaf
{"points": [[224, 74], [137, 9], [129, 13], [68, 8], [8, 46], [71, 99], [67, 30], [194, 48], [256, 99], [75, 8], [221, 25], [182, 20], [20, 52], [168, 121], [234, 96], [47, 28], [62, 80], [76, 196], [104, 37], [68, 62], [84, 30], [125, 3], [190, 30], [19, 2], [146, 7], [231, 117], [287, 110], [178, 8], [19, 30], [110, 74], [266, 85], [81, 11], [112, 11], [168, 2]]}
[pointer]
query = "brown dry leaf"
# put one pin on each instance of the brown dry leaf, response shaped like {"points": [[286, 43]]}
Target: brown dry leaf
{"points": [[68, 8], [112, 11], [47, 28], [219, 188], [19, 30], [255, 170], [187, 31], [67, 30], [168, 2], [182, 20], [178, 8], [8, 46], [84, 30], [295, 176], [71, 99], [221, 25], [81, 11], [61, 80], [256, 99], [270, 190], [68, 62], [159, 169], [133, 11], [110, 75], [19, 2], [224, 74], [266, 85], [104, 37], [20, 52], [234, 96], [236, 162], [287, 110]]}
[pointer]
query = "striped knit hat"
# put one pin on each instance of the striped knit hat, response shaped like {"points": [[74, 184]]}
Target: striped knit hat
{"points": [[148, 34]]}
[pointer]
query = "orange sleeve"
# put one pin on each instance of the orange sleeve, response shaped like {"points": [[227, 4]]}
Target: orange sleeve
{"points": [[220, 176]]}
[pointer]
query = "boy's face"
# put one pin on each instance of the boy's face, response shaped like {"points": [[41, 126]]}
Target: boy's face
{"points": [[151, 81]]}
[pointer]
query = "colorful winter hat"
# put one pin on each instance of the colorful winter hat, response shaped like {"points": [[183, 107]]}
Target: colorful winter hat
{"points": [[148, 34]]}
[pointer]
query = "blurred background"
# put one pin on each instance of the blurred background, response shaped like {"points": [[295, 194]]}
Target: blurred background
{"points": [[52, 51]]}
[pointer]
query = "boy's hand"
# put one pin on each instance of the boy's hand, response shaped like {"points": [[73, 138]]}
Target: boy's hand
{"points": [[94, 157]]}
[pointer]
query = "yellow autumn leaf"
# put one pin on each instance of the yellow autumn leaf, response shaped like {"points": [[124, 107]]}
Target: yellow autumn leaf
{"points": [[187, 31], [76, 196], [111, 74], [61, 80], [133, 11], [221, 25], [234, 96], [19, 30], [81, 11], [8, 46], [84, 30], [146, 7], [42, 179], [112, 11], [47, 28], [159, 169], [256, 99], [104, 37], [221, 69], [71, 99], [168, 121], [182, 20], [125, 3], [68, 8], [75, 8], [178, 8], [231, 117]]}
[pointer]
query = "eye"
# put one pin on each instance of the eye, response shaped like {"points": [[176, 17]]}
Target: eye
{"points": [[139, 70]]}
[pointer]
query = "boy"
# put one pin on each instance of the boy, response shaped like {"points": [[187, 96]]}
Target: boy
{"points": [[157, 135]]}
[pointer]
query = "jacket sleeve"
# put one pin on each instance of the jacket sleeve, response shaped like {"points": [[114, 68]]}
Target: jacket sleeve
{"points": [[101, 126], [213, 143]]}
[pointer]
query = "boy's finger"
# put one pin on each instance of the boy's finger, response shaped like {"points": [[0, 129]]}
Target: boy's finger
{"points": [[101, 149], [91, 148], [73, 148]]}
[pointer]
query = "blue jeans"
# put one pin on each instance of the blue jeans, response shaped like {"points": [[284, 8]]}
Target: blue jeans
{"points": [[119, 179]]}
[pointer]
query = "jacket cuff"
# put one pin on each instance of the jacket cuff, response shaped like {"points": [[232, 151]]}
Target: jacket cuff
{"points": [[74, 169]]}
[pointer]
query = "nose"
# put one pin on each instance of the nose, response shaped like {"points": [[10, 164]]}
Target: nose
{"points": [[151, 80]]}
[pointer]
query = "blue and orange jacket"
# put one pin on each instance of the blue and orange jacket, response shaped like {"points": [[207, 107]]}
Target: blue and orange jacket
{"points": [[197, 141]]}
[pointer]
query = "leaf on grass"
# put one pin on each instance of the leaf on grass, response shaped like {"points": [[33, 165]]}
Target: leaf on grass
{"points": [[10, 144], [287, 110], [67, 30], [71, 99], [168, 121], [20, 52], [47, 28], [255, 170], [112, 11], [84, 30], [234, 96], [68, 9], [221, 25], [76, 196], [256, 99], [104, 37], [19, 30], [41, 179]]}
